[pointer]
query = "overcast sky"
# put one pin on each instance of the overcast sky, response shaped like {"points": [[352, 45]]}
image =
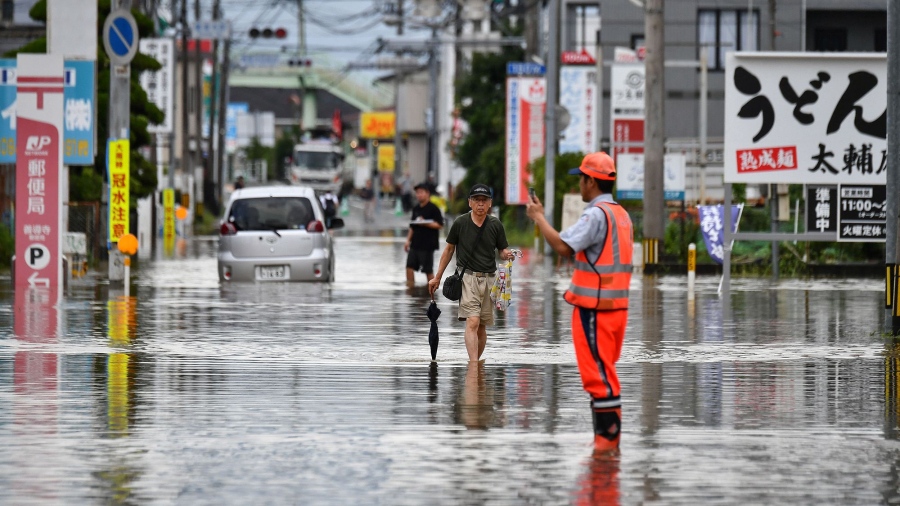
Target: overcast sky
{"points": [[337, 31]]}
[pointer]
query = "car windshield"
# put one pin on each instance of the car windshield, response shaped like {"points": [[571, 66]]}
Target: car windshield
{"points": [[271, 213], [316, 160]]}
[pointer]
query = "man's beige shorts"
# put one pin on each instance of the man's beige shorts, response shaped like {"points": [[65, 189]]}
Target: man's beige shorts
{"points": [[476, 298]]}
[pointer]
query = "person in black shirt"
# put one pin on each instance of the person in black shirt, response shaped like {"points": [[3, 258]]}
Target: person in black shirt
{"points": [[422, 239], [479, 254]]}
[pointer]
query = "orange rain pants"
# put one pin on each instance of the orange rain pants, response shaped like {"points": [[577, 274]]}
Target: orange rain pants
{"points": [[598, 337]]}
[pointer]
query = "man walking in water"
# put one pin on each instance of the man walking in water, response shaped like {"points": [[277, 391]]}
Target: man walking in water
{"points": [[422, 239], [479, 254], [602, 242]]}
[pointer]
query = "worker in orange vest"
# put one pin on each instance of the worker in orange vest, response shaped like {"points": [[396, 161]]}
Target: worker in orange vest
{"points": [[602, 241]]}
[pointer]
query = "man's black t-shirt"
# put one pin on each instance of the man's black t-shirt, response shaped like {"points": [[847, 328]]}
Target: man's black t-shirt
{"points": [[425, 238], [480, 257]]}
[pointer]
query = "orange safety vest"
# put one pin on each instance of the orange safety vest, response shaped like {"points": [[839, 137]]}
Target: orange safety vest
{"points": [[603, 283]]}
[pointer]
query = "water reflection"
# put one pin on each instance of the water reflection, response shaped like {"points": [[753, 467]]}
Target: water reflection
{"points": [[480, 398], [599, 484], [325, 393]]}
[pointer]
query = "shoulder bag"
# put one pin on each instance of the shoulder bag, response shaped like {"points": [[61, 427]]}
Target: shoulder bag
{"points": [[453, 284]]}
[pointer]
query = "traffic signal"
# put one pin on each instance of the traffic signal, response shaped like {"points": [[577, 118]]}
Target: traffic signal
{"points": [[268, 33], [299, 62]]}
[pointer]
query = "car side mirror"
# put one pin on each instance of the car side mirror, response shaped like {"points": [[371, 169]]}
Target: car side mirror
{"points": [[336, 223]]}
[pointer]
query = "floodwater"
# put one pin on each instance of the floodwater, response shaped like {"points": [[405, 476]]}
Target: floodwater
{"points": [[192, 392]]}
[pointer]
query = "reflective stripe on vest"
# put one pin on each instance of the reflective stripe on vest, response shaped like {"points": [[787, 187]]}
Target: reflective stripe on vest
{"points": [[603, 284]]}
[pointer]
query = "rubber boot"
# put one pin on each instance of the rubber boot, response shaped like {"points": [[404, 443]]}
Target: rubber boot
{"points": [[607, 426]]}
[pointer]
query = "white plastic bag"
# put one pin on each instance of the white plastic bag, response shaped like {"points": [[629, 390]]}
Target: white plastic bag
{"points": [[501, 291]]}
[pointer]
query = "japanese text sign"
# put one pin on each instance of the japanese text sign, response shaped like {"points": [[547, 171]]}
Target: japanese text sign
{"points": [[118, 162], [377, 125], [160, 85], [805, 118], [630, 176], [862, 213], [526, 101], [712, 225], [821, 208], [38, 191], [578, 94], [169, 221], [626, 109], [79, 111]]}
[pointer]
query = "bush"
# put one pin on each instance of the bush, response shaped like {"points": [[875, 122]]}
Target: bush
{"points": [[7, 246]]}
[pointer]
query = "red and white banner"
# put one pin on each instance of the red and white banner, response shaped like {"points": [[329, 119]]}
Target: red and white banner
{"points": [[526, 99], [39, 109]]}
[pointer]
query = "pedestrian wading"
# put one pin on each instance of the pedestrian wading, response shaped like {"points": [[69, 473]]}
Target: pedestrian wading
{"points": [[479, 237]]}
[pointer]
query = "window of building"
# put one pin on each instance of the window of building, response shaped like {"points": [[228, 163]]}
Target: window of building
{"points": [[724, 30], [830, 39], [881, 40], [637, 40], [8, 10]]}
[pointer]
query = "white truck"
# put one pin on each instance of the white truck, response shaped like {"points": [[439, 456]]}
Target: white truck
{"points": [[319, 165]]}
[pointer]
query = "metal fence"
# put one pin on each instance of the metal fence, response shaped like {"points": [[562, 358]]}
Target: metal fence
{"points": [[85, 217]]}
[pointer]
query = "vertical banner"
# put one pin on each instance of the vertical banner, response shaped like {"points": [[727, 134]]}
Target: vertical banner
{"points": [[118, 162], [79, 132], [526, 100], [712, 225], [160, 85], [7, 111], [39, 196], [168, 221], [626, 109], [578, 94]]}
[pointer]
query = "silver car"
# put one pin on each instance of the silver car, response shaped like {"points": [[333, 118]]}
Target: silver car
{"points": [[276, 233]]}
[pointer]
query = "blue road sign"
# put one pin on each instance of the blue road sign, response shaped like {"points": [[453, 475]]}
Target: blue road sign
{"points": [[120, 37], [518, 68], [79, 112]]}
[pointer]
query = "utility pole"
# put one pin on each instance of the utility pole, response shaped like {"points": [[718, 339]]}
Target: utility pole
{"points": [[532, 29], [431, 115], [210, 174], [654, 132], [223, 109], [198, 111], [892, 242], [550, 124], [118, 126], [185, 100], [301, 30]]}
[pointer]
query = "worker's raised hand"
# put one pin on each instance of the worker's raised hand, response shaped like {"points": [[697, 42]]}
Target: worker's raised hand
{"points": [[534, 208]]}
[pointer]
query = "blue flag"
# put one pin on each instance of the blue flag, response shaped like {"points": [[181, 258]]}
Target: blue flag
{"points": [[712, 224]]}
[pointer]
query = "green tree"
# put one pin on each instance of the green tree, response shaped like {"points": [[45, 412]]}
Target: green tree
{"points": [[482, 92], [86, 183]]}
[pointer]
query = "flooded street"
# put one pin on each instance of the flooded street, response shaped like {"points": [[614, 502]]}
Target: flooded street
{"points": [[192, 392]]}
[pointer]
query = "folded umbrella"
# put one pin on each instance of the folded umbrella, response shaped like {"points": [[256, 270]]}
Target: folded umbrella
{"points": [[433, 314]]}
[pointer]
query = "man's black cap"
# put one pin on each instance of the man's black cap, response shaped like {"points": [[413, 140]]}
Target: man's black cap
{"points": [[424, 186], [481, 190]]}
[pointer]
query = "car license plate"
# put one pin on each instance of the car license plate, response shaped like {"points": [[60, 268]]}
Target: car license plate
{"points": [[273, 272]]}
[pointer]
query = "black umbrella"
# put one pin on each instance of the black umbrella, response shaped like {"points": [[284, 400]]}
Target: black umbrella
{"points": [[433, 314]]}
